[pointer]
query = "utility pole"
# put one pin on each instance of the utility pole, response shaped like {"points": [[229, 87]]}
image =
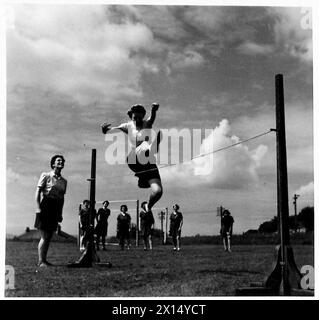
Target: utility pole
{"points": [[166, 225], [220, 210]]}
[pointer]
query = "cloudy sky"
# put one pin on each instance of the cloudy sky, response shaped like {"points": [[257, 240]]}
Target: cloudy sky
{"points": [[72, 67]]}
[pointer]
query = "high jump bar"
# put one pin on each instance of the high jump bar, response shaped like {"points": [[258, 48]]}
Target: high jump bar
{"points": [[114, 201]]}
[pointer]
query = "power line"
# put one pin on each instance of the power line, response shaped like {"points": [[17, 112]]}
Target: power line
{"points": [[200, 155]]}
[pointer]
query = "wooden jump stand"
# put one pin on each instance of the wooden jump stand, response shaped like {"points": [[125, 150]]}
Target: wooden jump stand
{"points": [[285, 277], [89, 256]]}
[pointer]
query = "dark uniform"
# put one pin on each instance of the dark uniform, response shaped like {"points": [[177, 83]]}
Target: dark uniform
{"points": [[175, 224], [226, 231], [123, 228], [86, 223], [147, 220], [227, 224], [102, 225]]}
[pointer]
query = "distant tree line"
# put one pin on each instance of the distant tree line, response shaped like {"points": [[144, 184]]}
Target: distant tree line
{"points": [[305, 219]]}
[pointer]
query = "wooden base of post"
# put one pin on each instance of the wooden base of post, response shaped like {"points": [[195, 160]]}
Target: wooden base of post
{"points": [[89, 257], [273, 286]]}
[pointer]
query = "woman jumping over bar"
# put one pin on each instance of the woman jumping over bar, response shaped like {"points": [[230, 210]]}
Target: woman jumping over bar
{"points": [[141, 159]]}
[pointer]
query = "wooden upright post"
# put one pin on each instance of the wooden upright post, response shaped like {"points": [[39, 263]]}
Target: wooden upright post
{"points": [[285, 277], [89, 255], [296, 196], [283, 204], [137, 223], [92, 206]]}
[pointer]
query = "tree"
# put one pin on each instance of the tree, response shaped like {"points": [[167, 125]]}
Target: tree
{"points": [[293, 224], [306, 218], [269, 226]]}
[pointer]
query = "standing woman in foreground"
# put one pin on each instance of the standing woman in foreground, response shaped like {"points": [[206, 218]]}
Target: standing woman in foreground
{"points": [[139, 133], [49, 198]]}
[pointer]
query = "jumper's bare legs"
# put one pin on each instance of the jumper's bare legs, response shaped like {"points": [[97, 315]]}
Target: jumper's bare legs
{"points": [[156, 192]]}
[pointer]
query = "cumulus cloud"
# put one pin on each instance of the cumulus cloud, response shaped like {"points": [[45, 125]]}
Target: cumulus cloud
{"points": [[251, 48], [292, 30], [14, 178], [306, 190], [77, 51], [187, 59], [234, 168]]}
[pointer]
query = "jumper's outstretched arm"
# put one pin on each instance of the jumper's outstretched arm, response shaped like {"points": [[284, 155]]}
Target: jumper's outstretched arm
{"points": [[152, 117]]}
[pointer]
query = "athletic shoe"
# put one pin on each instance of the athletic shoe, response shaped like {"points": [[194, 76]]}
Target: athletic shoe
{"points": [[44, 265], [174, 249], [178, 249]]}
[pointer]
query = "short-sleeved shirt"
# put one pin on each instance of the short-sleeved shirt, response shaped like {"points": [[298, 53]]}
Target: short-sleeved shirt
{"points": [[176, 220], [138, 137], [227, 222], [123, 221], [52, 185]]}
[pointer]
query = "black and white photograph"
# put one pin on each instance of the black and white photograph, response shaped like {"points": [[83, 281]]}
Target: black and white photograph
{"points": [[158, 150]]}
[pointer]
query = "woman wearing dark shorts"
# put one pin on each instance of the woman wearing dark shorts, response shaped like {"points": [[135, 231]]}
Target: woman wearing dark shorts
{"points": [[147, 223], [49, 201], [102, 224], [176, 223], [141, 160], [123, 227]]}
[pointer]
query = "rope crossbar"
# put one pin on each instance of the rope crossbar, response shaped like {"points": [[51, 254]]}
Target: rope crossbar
{"points": [[116, 201], [200, 155]]}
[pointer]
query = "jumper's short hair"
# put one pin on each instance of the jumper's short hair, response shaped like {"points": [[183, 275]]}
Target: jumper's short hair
{"points": [[86, 201], [105, 202], [143, 204], [176, 206], [123, 206], [54, 158], [138, 108], [226, 212]]}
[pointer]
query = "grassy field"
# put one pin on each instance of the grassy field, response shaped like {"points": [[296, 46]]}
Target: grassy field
{"points": [[201, 270]]}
